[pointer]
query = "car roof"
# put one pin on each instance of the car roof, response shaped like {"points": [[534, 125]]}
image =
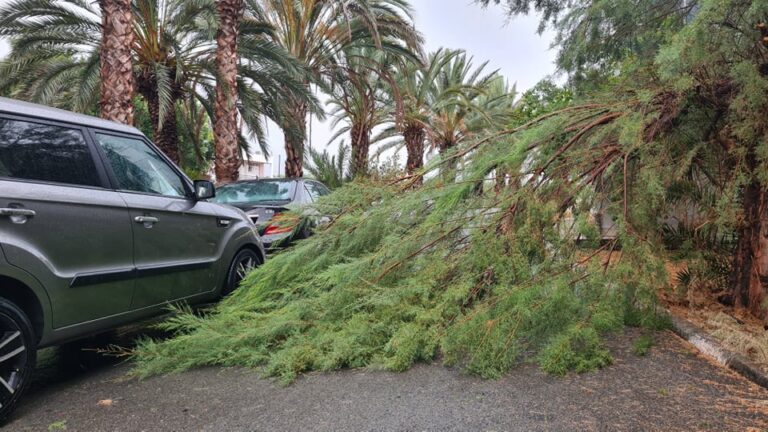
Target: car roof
{"points": [[272, 179], [12, 106], [266, 179]]}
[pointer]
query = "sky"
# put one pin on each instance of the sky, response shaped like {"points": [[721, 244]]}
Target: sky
{"points": [[510, 45]]}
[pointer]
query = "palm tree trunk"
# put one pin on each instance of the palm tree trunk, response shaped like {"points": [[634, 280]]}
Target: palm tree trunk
{"points": [[295, 131], [165, 135], [361, 143], [116, 62], [414, 145], [225, 129], [167, 138], [448, 170]]}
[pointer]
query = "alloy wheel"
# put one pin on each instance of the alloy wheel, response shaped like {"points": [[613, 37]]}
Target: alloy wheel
{"points": [[244, 266], [13, 360]]}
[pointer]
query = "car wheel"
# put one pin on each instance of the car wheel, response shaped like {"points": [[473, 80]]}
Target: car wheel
{"points": [[245, 261], [17, 356], [304, 230]]}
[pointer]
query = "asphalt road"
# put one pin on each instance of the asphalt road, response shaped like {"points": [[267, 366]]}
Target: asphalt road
{"points": [[672, 388]]}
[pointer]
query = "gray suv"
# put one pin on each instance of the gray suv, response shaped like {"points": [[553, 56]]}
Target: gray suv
{"points": [[98, 229]]}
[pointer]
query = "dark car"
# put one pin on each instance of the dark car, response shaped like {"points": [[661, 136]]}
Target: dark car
{"points": [[99, 229], [278, 207]]}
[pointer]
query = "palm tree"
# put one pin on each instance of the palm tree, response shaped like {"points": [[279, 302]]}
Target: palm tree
{"points": [[359, 95], [331, 170], [226, 128], [259, 74], [443, 102], [56, 55], [454, 102], [415, 84], [116, 68], [163, 67], [317, 32]]}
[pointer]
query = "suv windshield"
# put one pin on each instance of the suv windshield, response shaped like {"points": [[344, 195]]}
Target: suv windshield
{"points": [[256, 192]]}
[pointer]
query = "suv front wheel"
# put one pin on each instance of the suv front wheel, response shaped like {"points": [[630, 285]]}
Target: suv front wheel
{"points": [[244, 262], [17, 355]]}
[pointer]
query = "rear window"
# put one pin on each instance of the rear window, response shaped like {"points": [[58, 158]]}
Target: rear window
{"points": [[256, 192], [34, 151]]}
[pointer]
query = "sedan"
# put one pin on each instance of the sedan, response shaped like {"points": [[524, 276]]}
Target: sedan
{"points": [[273, 204]]}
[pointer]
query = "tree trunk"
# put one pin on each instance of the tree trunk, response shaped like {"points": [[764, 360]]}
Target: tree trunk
{"points": [[294, 141], [225, 128], [448, 170], [361, 143], [503, 179], [414, 145], [116, 62], [750, 262], [165, 136]]}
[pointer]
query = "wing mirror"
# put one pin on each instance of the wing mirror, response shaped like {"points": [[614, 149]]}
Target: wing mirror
{"points": [[204, 190]]}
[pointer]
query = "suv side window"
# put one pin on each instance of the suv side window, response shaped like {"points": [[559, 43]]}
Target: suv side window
{"points": [[36, 151], [138, 168]]}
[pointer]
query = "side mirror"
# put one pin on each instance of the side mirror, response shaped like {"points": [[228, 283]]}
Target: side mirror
{"points": [[204, 190]]}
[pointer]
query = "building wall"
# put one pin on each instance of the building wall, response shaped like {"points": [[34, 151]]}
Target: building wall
{"points": [[252, 170]]}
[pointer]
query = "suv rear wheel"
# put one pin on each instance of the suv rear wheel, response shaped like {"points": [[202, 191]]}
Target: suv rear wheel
{"points": [[17, 355]]}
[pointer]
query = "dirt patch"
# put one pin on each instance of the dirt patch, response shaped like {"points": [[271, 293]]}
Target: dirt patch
{"points": [[735, 328]]}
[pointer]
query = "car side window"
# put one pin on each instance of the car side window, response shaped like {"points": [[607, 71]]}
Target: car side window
{"points": [[316, 190], [138, 168], [36, 151]]}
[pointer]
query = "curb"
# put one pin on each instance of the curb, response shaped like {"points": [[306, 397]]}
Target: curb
{"points": [[711, 347]]}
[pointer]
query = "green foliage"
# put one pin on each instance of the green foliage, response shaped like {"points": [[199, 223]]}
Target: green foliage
{"points": [[543, 98], [643, 345], [331, 170], [705, 272], [403, 274], [60, 425], [578, 349], [195, 135]]}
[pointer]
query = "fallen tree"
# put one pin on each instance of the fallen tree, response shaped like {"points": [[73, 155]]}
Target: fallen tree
{"points": [[504, 260]]}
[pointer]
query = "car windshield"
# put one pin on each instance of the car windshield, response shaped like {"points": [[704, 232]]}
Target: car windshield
{"points": [[255, 192]]}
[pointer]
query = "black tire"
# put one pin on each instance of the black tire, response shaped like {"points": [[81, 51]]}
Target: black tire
{"points": [[245, 261], [305, 230], [18, 354]]}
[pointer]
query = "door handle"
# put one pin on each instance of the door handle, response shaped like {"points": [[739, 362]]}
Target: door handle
{"points": [[16, 212], [147, 221], [17, 215]]}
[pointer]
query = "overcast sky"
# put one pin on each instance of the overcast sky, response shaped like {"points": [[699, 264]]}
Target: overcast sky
{"points": [[511, 46]]}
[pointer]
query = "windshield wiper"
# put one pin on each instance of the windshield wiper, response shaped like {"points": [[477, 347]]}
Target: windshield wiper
{"points": [[272, 200]]}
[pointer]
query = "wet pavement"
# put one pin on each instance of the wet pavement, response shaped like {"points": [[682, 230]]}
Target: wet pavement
{"points": [[672, 388]]}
